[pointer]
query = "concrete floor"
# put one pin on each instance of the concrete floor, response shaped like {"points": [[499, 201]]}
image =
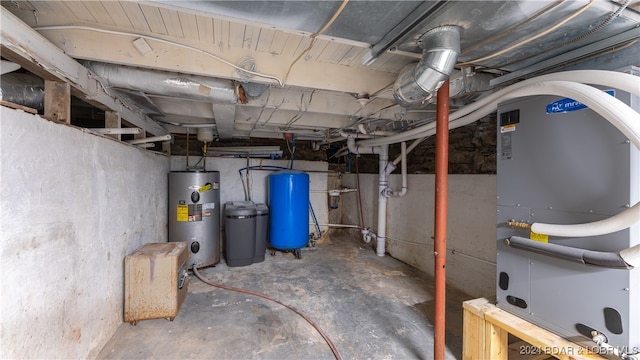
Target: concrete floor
{"points": [[370, 307]]}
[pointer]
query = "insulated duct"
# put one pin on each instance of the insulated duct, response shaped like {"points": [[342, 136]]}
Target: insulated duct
{"points": [[23, 89], [163, 83], [418, 83]]}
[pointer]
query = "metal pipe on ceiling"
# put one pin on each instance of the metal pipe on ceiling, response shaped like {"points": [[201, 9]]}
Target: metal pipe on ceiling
{"points": [[23, 89], [418, 83], [165, 83]]}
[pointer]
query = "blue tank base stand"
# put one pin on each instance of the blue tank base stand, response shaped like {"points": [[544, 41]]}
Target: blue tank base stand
{"points": [[296, 252]]}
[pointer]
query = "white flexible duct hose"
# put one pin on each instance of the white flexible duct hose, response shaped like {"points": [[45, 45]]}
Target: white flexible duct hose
{"points": [[614, 79], [617, 113], [613, 110], [631, 256]]}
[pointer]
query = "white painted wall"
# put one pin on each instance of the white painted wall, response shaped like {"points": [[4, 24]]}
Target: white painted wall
{"points": [[72, 206], [471, 229], [231, 188]]}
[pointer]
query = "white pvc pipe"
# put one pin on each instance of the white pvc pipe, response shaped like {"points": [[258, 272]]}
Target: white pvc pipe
{"points": [[391, 166], [403, 169], [351, 144], [150, 139], [410, 148], [382, 199]]}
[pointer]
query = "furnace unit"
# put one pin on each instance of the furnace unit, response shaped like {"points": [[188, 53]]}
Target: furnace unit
{"points": [[560, 162]]}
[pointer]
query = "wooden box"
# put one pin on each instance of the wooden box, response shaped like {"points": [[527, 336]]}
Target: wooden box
{"points": [[155, 281]]}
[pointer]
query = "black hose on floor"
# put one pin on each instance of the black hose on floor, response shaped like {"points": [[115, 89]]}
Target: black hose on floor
{"points": [[333, 348]]}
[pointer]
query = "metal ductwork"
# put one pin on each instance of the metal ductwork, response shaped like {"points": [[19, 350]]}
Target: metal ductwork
{"points": [[23, 89], [222, 94], [467, 86], [418, 83], [164, 83]]}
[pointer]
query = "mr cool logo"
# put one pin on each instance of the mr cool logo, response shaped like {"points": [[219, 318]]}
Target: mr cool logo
{"points": [[567, 105]]}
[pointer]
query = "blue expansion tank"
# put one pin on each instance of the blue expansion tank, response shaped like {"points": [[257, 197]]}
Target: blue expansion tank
{"points": [[289, 206]]}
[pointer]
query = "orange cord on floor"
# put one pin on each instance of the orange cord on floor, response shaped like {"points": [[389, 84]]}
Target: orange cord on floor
{"points": [[334, 350]]}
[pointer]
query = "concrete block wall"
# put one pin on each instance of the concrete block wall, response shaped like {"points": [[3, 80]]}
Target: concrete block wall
{"points": [[72, 206], [471, 230]]}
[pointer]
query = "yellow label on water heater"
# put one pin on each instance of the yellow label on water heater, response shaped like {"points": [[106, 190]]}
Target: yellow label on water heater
{"points": [[183, 213], [539, 237]]}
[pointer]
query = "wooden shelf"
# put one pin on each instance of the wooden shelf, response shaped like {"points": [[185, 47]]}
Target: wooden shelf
{"points": [[486, 330]]}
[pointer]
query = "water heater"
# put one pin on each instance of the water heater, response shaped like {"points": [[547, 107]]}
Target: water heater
{"points": [[559, 162], [194, 214]]}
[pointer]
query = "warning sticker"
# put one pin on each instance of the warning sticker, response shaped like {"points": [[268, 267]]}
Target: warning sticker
{"points": [[183, 213], [208, 206], [539, 237], [195, 212], [508, 128]]}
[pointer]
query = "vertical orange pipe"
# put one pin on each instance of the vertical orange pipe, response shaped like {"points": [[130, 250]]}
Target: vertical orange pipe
{"points": [[440, 232]]}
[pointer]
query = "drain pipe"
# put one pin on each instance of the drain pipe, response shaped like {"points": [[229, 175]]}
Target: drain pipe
{"points": [[383, 153], [440, 233], [382, 199], [403, 169]]}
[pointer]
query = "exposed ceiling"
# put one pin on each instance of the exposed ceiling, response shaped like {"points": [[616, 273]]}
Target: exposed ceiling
{"points": [[250, 69]]}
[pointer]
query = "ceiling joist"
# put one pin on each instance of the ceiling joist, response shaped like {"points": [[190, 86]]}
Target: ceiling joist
{"points": [[24, 46]]}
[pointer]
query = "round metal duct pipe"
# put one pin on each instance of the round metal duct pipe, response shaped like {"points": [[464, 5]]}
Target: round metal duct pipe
{"points": [[23, 89], [166, 83], [418, 83]]}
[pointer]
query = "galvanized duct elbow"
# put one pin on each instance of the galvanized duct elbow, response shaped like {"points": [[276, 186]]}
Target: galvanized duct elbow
{"points": [[418, 83], [166, 83]]}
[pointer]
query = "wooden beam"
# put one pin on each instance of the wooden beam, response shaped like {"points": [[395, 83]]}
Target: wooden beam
{"points": [[112, 120], [57, 101], [24, 46], [473, 332], [486, 330], [496, 342], [18, 107], [119, 49]]}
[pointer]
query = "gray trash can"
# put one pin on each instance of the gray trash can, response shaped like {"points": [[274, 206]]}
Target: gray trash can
{"points": [[262, 232], [240, 232]]}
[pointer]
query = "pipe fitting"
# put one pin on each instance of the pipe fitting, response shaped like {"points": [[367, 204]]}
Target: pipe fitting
{"points": [[418, 83], [388, 192], [367, 235]]}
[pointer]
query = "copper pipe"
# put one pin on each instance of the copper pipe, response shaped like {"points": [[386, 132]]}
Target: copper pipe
{"points": [[440, 229]]}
